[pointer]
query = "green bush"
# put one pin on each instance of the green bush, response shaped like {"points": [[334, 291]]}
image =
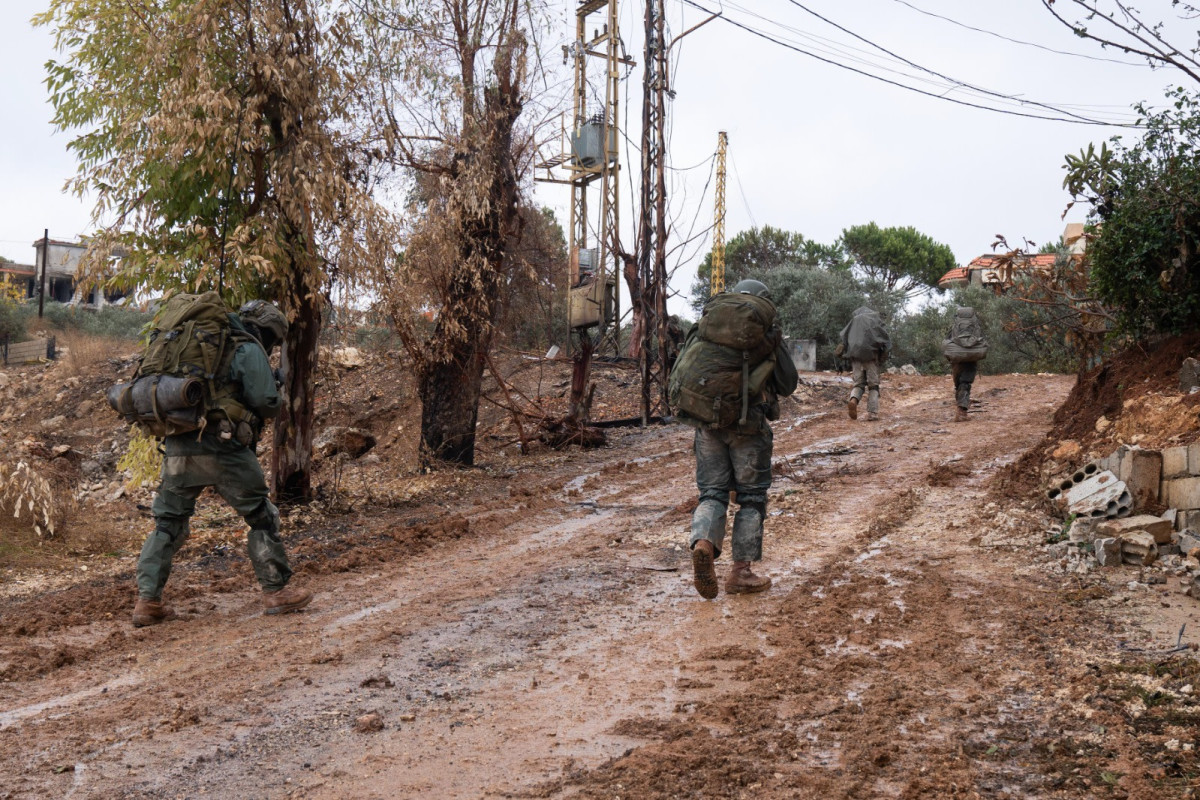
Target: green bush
{"points": [[113, 322]]}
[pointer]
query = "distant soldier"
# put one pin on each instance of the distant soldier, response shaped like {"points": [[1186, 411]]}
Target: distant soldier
{"points": [[964, 347], [731, 371], [866, 344], [222, 455]]}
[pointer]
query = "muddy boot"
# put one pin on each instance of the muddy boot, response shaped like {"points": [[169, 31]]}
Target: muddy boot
{"points": [[703, 556], [852, 408], [285, 600], [960, 414], [150, 611], [742, 581], [872, 416]]}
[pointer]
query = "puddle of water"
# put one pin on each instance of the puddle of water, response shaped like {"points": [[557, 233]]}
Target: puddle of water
{"points": [[7, 718]]}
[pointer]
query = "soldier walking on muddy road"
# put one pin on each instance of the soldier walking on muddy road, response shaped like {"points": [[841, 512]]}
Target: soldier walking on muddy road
{"points": [[866, 344], [221, 454], [964, 348], [731, 371]]}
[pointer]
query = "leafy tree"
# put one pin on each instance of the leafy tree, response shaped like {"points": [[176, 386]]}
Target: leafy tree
{"points": [[817, 303], [758, 251], [458, 95], [903, 259], [1145, 200], [245, 129], [534, 300]]}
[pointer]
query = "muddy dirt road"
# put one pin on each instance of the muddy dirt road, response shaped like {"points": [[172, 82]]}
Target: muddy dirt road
{"points": [[548, 643]]}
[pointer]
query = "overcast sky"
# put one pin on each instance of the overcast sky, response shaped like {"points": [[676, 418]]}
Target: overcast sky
{"points": [[813, 147]]}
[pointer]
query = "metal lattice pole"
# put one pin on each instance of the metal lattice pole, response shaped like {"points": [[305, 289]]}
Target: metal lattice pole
{"points": [[717, 276]]}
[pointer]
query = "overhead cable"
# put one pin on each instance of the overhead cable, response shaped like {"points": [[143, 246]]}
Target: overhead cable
{"points": [[900, 85]]}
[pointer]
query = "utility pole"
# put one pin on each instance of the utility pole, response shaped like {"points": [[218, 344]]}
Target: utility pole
{"points": [[652, 227], [591, 157], [716, 279], [45, 264]]}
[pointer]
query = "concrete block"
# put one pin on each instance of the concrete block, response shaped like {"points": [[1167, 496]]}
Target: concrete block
{"points": [[1097, 496], [1108, 551], [1141, 471], [1181, 493], [1138, 547], [1188, 542], [1165, 550], [1194, 458], [1170, 515], [1158, 528], [1175, 462], [1187, 518]]}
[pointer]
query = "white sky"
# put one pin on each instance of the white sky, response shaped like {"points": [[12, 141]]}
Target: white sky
{"points": [[813, 148]]}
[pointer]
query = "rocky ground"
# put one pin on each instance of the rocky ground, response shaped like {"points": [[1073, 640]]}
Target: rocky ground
{"points": [[529, 628]]}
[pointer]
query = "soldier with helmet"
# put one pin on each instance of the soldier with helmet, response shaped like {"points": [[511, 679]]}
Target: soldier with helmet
{"points": [[737, 345], [223, 456]]}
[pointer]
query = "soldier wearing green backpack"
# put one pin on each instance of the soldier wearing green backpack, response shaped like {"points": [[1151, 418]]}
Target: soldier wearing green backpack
{"points": [[224, 358], [731, 371]]}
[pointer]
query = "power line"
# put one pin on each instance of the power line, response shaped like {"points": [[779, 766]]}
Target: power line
{"points": [[944, 77], [1020, 41], [900, 85]]}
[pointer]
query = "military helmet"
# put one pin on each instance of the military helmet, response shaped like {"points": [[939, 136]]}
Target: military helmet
{"points": [[266, 317], [751, 286]]}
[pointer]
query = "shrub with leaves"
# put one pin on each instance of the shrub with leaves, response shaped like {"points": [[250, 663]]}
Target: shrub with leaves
{"points": [[28, 497], [142, 460]]}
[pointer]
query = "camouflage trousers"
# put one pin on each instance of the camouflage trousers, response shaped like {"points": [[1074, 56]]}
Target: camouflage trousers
{"points": [[729, 460], [238, 478], [964, 376], [866, 379]]}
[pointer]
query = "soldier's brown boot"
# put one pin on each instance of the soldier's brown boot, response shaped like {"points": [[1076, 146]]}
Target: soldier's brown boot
{"points": [[285, 600], [150, 611], [960, 414], [705, 572], [742, 581], [852, 408]]}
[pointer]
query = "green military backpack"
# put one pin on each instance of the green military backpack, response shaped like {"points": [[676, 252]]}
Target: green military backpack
{"points": [[725, 361], [181, 381]]}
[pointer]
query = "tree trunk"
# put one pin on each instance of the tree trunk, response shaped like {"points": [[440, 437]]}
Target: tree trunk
{"points": [[450, 409], [291, 457]]}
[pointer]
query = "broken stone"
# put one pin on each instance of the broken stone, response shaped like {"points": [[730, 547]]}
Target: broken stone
{"points": [[53, 422], [1189, 376], [369, 723], [1158, 528], [84, 408], [1138, 547], [1102, 424], [1193, 589], [1151, 577], [1165, 550], [1083, 530], [1108, 551], [1188, 542], [1171, 515], [347, 357], [91, 469], [1059, 549], [60, 450], [1066, 450], [354, 442]]}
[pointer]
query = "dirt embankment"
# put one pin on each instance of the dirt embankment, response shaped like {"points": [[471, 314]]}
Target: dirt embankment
{"points": [[529, 629]]}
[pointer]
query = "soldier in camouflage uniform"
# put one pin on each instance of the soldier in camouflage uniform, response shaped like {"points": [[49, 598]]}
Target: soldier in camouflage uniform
{"points": [[738, 459], [223, 457], [866, 344]]}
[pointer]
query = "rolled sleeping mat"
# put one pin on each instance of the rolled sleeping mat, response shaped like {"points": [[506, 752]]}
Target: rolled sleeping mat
{"points": [[157, 396], [120, 398]]}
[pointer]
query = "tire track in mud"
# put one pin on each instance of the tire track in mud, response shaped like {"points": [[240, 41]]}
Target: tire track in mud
{"points": [[538, 657]]}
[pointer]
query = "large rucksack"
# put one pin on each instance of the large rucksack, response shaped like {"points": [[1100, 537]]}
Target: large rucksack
{"points": [[725, 361], [182, 381], [965, 342]]}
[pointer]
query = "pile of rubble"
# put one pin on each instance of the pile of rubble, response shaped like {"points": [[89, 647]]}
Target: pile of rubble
{"points": [[1103, 531]]}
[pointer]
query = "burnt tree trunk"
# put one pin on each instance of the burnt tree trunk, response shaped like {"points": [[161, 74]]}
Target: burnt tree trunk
{"points": [[450, 386], [291, 456]]}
